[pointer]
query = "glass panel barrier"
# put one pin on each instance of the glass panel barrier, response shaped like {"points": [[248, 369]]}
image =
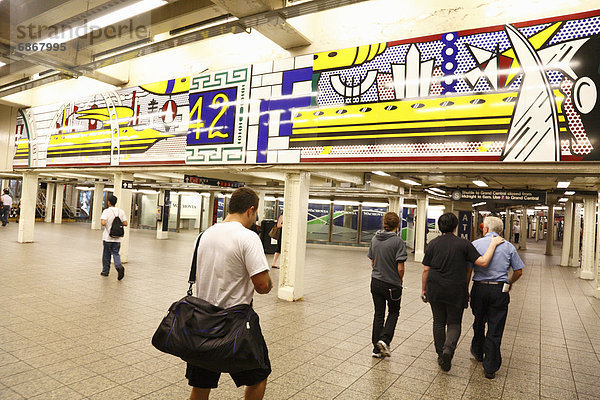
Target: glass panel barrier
{"points": [[345, 223], [317, 227], [372, 217]]}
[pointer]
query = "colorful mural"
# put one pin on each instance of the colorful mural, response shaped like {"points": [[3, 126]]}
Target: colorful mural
{"points": [[520, 92]]}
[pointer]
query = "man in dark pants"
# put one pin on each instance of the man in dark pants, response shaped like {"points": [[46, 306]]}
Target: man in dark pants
{"points": [[490, 298], [445, 283], [388, 254]]}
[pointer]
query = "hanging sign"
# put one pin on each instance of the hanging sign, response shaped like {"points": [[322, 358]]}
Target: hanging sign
{"points": [[501, 196]]}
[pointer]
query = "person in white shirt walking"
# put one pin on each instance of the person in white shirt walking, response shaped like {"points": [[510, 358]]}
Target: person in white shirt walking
{"points": [[112, 244], [6, 205], [231, 266]]}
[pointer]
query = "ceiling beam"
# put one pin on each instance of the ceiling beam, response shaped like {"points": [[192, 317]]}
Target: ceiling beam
{"points": [[276, 28], [357, 179]]}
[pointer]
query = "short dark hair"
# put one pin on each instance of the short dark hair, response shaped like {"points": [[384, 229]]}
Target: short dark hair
{"points": [[112, 199], [242, 199], [5, 190], [447, 222], [391, 220]]}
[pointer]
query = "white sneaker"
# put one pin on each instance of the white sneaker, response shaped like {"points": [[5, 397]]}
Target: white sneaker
{"points": [[377, 355], [384, 348]]}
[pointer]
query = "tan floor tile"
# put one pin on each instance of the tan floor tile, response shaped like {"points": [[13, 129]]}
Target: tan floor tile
{"points": [[93, 385], [36, 386], [116, 393], [62, 393]]}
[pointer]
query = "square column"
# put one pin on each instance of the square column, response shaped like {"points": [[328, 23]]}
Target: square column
{"points": [[50, 193], [524, 231], [588, 246], [160, 233], [422, 204], [394, 204], [97, 205], [293, 245], [507, 224], [567, 235], [28, 203], [597, 294], [550, 231], [58, 208], [261, 206], [576, 239], [124, 197]]}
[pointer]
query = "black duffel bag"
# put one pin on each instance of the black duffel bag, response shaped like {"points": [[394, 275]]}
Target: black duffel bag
{"points": [[210, 337]]}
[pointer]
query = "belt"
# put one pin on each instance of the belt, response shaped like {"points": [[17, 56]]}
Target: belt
{"points": [[489, 282]]}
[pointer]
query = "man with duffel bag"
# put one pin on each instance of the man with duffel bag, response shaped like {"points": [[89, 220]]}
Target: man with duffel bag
{"points": [[217, 330]]}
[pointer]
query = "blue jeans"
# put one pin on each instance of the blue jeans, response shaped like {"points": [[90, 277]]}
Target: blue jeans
{"points": [[110, 248]]}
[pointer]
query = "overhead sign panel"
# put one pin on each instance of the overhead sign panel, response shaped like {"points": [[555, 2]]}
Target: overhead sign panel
{"points": [[212, 182], [501, 196]]}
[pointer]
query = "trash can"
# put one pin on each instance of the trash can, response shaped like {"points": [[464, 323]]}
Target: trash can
{"points": [[269, 244]]}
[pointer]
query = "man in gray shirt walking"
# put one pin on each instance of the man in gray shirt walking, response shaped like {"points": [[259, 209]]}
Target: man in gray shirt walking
{"points": [[387, 253]]}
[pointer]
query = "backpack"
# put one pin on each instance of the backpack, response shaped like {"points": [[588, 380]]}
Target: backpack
{"points": [[116, 229]]}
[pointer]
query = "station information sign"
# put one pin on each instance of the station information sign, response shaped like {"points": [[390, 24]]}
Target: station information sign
{"points": [[126, 184], [212, 182], [501, 196]]}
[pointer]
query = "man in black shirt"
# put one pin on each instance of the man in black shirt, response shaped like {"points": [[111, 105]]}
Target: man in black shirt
{"points": [[445, 285]]}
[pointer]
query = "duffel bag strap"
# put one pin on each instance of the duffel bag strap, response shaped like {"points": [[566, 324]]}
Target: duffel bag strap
{"points": [[192, 278]]}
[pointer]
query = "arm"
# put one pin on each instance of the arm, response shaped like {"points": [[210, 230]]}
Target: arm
{"points": [[103, 222], [262, 282], [424, 280], [401, 270], [124, 223], [515, 277], [469, 274], [485, 259]]}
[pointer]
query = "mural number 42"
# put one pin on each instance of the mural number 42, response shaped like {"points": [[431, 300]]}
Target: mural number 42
{"points": [[212, 117]]}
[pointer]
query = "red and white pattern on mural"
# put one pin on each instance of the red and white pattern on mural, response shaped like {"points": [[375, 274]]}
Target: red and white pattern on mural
{"points": [[581, 144], [385, 86], [436, 89]]}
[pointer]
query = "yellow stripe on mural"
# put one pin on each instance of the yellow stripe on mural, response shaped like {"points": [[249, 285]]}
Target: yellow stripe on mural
{"points": [[404, 125], [401, 135]]}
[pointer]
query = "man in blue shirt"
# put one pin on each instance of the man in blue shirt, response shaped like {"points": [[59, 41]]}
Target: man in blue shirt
{"points": [[490, 298]]}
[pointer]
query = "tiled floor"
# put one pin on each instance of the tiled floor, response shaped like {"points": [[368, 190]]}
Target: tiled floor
{"points": [[68, 333]]}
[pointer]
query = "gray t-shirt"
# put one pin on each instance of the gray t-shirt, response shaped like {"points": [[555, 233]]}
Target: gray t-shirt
{"points": [[386, 251]]}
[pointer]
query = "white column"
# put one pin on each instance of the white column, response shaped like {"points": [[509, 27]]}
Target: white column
{"points": [[293, 245], [576, 239], [507, 224], [123, 202], [565, 254], [50, 193], [550, 231], [97, 205], [28, 202], [422, 204], [589, 238], [597, 294], [160, 234], [211, 208], [394, 204], [524, 230], [58, 204], [261, 206]]}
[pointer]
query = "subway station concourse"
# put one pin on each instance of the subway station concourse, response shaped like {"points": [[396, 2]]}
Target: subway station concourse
{"points": [[335, 112]]}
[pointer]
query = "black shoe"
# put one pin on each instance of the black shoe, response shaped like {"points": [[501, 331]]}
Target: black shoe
{"points": [[475, 356], [104, 274], [121, 272], [446, 363], [490, 375]]}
